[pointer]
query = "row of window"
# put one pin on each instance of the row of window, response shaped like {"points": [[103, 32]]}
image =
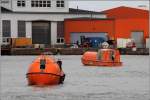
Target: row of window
{"points": [[41, 3], [60, 40], [6, 27], [21, 3]]}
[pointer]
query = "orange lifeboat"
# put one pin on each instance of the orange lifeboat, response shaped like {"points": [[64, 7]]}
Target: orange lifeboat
{"points": [[45, 71], [104, 57]]}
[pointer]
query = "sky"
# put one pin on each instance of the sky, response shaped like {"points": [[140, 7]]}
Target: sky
{"points": [[97, 5]]}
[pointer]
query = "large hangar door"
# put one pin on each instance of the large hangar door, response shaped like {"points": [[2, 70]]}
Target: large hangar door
{"points": [[138, 39], [41, 32], [76, 36]]}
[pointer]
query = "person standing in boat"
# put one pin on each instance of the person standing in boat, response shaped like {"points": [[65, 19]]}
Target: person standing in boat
{"points": [[105, 45], [59, 62], [42, 64], [112, 56]]}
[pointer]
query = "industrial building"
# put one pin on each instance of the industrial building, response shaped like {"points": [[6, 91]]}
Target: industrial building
{"points": [[122, 24], [52, 22], [41, 21]]}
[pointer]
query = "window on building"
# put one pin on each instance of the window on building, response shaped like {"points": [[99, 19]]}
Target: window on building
{"points": [[6, 28], [36, 3], [60, 29], [21, 29], [6, 40], [60, 40], [41, 3], [48, 3], [60, 32], [32, 4], [60, 3], [21, 3], [44, 3]]}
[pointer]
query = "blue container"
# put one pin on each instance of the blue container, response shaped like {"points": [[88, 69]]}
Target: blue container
{"points": [[96, 41]]}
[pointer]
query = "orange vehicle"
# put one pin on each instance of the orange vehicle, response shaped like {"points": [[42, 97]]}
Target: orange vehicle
{"points": [[45, 71], [104, 57]]}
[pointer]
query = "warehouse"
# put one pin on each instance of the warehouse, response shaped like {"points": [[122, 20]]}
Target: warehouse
{"points": [[97, 30], [122, 24], [130, 23], [38, 21], [52, 22]]}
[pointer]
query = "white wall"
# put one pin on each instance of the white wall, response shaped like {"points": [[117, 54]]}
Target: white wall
{"points": [[53, 32], [29, 29], [148, 43], [28, 7], [48, 17], [14, 28], [0, 27]]}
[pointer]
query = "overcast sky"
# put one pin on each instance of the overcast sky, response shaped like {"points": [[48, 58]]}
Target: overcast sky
{"points": [[96, 5]]}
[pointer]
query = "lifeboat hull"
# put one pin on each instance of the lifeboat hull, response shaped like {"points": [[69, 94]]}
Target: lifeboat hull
{"points": [[104, 59], [43, 79], [100, 63], [51, 74]]}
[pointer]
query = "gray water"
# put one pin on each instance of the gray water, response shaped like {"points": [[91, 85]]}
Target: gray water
{"points": [[129, 82]]}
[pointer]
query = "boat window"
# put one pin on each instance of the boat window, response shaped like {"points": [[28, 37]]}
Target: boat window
{"points": [[112, 55], [42, 63], [99, 55]]}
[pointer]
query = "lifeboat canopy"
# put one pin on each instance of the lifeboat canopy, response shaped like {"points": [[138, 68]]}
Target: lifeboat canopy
{"points": [[44, 70], [104, 57]]}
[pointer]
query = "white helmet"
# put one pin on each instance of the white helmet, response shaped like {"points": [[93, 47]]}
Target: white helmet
{"points": [[105, 45]]}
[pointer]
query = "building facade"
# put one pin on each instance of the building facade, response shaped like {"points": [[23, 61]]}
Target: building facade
{"points": [[122, 24], [40, 20], [131, 23], [88, 27]]}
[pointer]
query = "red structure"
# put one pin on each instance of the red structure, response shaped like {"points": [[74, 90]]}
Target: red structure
{"points": [[87, 25], [128, 20], [121, 22]]}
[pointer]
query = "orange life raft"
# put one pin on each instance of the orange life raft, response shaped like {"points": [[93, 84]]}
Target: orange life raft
{"points": [[104, 57], [45, 71]]}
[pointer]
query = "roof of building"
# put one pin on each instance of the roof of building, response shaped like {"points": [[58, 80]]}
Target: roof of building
{"points": [[71, 11], [5, 10], [88, 18], [126, 12]]}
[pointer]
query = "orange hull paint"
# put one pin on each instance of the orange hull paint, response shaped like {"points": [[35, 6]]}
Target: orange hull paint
{"points": [[91, 59], [120, 22], [100, 63], [43, 79], [50, 75]]}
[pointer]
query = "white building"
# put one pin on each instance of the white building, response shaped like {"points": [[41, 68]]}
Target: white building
{"points": [[40, 20]]}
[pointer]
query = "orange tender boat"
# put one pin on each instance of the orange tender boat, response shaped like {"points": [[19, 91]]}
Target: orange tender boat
{"points": [[104, 57], [45, 71]]}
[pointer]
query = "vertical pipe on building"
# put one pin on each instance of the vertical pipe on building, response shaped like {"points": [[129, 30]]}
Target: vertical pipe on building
{"points": [[149, 29], [92, 22], [11, 5], [114, 32], [0, 27], [147, 38]]}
